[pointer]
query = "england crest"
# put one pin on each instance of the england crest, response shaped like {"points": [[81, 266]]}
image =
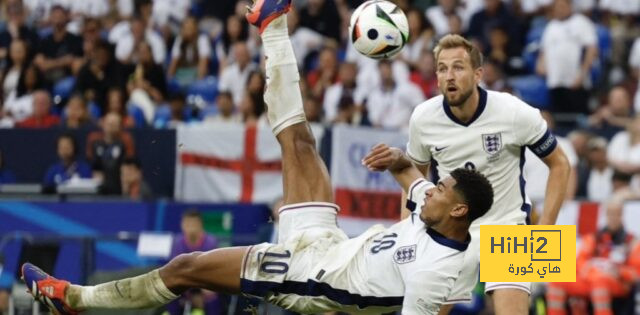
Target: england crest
{"points": [[492, 143], [405, 254]]}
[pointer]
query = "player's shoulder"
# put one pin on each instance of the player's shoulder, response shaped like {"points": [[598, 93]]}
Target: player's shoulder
{"points": [[507, 102], [428, 109]]}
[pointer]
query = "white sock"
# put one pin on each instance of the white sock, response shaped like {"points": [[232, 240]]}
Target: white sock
{"points": [[144, 291], [282, 94]]}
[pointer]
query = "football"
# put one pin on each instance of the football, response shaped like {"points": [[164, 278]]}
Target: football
{"points": [[378, 29]]}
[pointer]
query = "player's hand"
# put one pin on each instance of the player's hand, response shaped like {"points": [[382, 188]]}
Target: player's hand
{"points": [[381, 157]]}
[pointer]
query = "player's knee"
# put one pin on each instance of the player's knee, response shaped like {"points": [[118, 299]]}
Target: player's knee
{"points": [[181, 269]]}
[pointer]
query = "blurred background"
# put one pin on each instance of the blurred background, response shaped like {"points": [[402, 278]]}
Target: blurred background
{"points": [[134, 130]]}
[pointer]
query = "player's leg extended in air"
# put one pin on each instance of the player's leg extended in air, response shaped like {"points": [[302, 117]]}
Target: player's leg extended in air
{"points": [[305, 179]]}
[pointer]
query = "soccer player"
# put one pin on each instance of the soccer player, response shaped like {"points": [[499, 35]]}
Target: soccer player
{"points": [[486, 131], [314, 267]]}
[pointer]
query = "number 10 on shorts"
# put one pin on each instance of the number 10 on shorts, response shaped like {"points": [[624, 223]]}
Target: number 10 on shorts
{"points": [[528, 253]]}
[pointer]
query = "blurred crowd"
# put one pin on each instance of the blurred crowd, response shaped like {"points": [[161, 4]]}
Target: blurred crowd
{"points": [[113, 65]]}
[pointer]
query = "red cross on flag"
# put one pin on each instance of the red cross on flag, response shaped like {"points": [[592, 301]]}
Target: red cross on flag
{"points": [[228, 162]]}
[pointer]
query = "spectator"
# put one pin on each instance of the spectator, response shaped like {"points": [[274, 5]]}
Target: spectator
{"points": [[99, 74], [323, 17], [346, 86], [493, 77], [141, 9], [147, 85], [226, 109], [421, 38], [425, 74], [6, 175], [496, 16], [17, 109], [92, 9], [18, 62], [303, 39], [68, 168], [90, 37], [561, 58], [455, 24], [59, 50], [603, 265], [194, 238], [235, 31], [115, 104], [504, 53], [600, 180], [614, 116], [16, 29], [77, 114], [190, 54], [390, 105], [438, 15], [106, 150], [256, 82], [167, 15], [127, 47], [42, 116], [252, 109], [349, 112], [234, 77], [623, 152], [325, 74], [133, 184]]}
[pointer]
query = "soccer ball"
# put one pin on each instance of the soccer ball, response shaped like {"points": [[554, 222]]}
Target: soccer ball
{"points": [[378, 29]]}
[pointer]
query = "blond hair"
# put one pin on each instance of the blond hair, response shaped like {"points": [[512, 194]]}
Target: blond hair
{"points": [[454, 41]]}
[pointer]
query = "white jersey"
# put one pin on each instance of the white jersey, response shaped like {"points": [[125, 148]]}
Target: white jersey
{"points": [[492, 142], [407, 266]]}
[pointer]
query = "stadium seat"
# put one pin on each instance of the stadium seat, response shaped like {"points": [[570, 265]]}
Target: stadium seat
{"points": [[161, 116], [62, 89], [532, 46], [202, 92], [532, 89], [138, 116]]}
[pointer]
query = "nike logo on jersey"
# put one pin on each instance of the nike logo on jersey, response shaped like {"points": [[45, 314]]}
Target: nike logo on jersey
{"points": [[438, 149]]}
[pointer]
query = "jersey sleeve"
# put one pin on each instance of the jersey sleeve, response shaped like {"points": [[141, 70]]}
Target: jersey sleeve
{"points": [[415, 195], [531, 130], [416, 151], [425, 292]]}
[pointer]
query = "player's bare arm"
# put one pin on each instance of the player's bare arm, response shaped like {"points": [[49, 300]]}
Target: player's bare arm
{"points": [[559, 170], [382, 158]]}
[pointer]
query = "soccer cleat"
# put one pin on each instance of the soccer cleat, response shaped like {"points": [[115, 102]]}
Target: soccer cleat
{"points": [[264, 11], [47, 289]]}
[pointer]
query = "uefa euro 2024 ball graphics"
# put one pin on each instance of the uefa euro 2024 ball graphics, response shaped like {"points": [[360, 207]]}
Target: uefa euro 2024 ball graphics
{"points": [[378, 29]]}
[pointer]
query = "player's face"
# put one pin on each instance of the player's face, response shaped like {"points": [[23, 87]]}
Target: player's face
{"points": [[456, 77], [439, 201]]}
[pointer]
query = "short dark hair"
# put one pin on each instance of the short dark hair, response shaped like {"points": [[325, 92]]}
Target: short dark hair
{"points": [[192, 213], [475, 190], [456, 41]]}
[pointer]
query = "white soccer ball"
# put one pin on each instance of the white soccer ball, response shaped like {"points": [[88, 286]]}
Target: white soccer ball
{"points": [[378, 29]]}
